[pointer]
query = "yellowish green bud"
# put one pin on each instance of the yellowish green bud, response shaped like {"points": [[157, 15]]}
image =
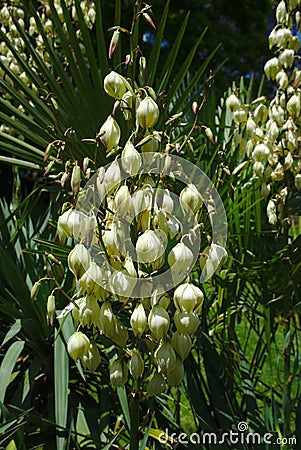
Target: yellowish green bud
{"points": [[188, 297], [136, 364], [165, 357], [298, 181], [232, 103], [78, 345], [75, 180], [158, 322], [186, 322], [272, 67], [175, 377], [118, 373], [89, 311], [92, 359], [138, 320], [182, 344], [156, 385], [131, 159], [106, 323], [109, 134], [191, 198], [34, 290], [79, 260], [147, 113], [51, 309]]}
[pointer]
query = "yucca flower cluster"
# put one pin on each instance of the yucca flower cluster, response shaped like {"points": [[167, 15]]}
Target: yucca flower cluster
{"points": [[12, 16], [268, 131], [128, 236]]}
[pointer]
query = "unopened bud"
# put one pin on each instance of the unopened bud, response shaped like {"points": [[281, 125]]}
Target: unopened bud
{"points": [[79, 260], [191, 198], [186, 322], [156, 385], [75, 180], [298, 181], [136, 364], [158, 322], [182, 344], [175, 377], [51, 309], [147, 113], [294, 105], [92, 359], [165, 357], [272, 67], [138, 320], [232, 103], [115, 85], [34, 290], [118, 373], [78, 345], [130, 159], [188, 297], [109, 133]]}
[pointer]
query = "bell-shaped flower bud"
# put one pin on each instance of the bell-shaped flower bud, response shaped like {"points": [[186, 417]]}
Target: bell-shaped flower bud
{"points": [[180, 259], [79, 260], [72, 222], [258, 169], [150, 246], [282, 79], [281, 12], [92, 359], [191, 198], [122, 201], [118, 373], [232, 103], [294, 106], [286, 58], [151, 143], [130, 159], [112, 177], [115, 85], [92, 279], [158, 322], [122, 284], [126, 105], [261, 113], [138, 320], [109, 133], [182, 344], [175, 377], [272, 67], [89, 311], [78, 345], [165, 357], [261, 152], [75, 179], [156, 385], [240, 116], [136, 364], [188, 297], [298, 181], [119, 334], [106, 322], [147, 113], [186, 322]]}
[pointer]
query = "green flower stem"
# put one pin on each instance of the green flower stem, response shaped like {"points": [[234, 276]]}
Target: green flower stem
{"points": [[135, 411]]}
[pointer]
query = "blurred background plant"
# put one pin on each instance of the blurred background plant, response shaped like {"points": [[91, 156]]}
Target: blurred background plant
{"points": [[244, 365]]}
